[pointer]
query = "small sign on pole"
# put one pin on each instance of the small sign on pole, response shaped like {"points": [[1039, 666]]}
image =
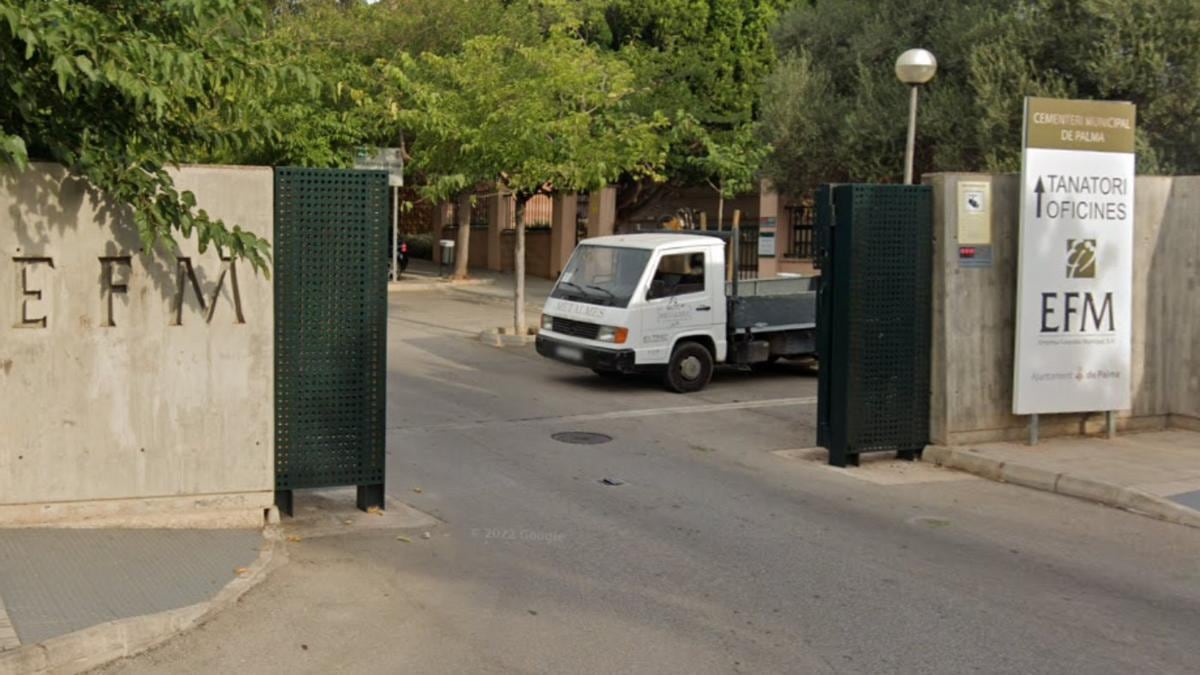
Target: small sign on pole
{"points": [[390, 160], [1075, 267], [766, 238]]}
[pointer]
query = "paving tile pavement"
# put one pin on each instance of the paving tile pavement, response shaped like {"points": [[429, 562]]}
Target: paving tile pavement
{"points": [[57, 581], [8, 634], [1161, 463]]}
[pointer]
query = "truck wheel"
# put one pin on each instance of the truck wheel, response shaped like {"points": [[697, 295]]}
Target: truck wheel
{"points": [[690, 369]]}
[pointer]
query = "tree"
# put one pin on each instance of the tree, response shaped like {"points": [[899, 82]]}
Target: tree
{"points": [[345, 45], [117, 92], [728, 163], [701, 61], [528, 119], [341, 106], [834, 111]]}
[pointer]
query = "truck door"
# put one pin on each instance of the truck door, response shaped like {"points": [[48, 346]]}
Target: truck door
{"points": [[680, 301]]}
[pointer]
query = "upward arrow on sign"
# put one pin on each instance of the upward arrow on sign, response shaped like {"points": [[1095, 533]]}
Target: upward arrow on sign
{"points": [[1038, 190]]}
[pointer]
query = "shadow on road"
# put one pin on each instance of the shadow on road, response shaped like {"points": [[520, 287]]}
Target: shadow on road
{"points": [[724, 375]]}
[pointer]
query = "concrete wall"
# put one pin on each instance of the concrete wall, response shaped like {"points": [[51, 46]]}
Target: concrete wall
{"points": [[537, 251], [563, 232], [1179, 282], [500, 217], [116, 398], [974, 320]]}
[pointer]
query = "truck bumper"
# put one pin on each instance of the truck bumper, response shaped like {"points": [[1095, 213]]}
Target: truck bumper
{"points": [[618, 360]]}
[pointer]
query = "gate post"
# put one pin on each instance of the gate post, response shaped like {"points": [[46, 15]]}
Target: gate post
{"points": [[875, 249], [331, 266]]}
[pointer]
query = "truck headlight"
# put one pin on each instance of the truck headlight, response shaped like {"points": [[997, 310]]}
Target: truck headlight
{"points": [[613, 334], [547, 322]]}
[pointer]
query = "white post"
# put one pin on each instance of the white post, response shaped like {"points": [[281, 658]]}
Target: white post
{"points": [[395, 268], [911, 147]]}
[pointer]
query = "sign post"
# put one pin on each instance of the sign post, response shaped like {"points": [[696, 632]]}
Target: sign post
{"points": [[1075, 267], [392, 161]]}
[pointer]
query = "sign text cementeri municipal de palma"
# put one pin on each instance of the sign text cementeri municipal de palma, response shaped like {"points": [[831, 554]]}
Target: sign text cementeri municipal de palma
{"points": [[1099, 126]]}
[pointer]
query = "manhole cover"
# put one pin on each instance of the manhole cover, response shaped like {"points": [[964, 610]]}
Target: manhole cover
{"points": [[581, 438]]}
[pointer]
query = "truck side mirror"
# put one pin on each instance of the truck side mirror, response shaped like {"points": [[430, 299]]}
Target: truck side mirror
{"points": [[658, 289]]}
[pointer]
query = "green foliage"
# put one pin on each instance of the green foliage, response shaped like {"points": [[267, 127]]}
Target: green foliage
{"points": [[528, 93], [421, 245], [795, 124], [705, 57], [703, 63], [1144, 51], [834, 111], [323, 119], [345, 47], [728, 162], [530, 118], [119, 92]]}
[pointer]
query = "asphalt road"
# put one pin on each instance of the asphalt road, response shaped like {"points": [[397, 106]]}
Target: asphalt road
{"points": [[717, 552]]}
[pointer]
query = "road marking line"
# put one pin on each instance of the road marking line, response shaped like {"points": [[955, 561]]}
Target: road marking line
{"points": [[8, 634], [622, 414]]}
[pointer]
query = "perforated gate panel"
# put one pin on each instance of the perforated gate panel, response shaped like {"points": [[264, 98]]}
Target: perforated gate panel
{"points": [[874, 306], [331, 262]]}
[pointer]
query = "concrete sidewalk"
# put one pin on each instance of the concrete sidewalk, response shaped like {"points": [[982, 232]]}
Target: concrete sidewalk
{"points": [[481, 305], [1153, 473], [423, 275], [73, 599]]}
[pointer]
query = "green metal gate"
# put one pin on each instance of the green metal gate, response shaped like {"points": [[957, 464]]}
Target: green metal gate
{"points": [[875, 249], [331, 267]]}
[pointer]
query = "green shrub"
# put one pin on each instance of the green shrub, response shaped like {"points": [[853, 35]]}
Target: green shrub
{"points": [[420, 245]]}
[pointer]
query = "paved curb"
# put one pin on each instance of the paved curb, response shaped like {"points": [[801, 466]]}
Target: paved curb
{"points": [[101, 644], [1109, 494], [441, 284]]}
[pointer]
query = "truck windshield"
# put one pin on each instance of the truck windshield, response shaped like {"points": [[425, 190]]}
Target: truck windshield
{"points": [[602, 275]]}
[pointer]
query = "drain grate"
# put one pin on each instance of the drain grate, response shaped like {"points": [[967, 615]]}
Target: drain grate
{"points": [[581, 437]]}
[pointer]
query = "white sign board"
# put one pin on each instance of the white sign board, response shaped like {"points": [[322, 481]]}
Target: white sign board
{"points": [[766, 243], [1075, 267], [974, 213], [390, 160]]}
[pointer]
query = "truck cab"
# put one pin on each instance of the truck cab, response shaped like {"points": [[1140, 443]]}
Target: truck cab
{"points": [[649, 302]]}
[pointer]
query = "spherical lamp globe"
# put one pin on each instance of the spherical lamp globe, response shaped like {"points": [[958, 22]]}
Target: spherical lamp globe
{"points": [[916, 66]]}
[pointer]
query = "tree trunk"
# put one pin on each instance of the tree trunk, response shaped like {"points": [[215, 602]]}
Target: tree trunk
{"points": [[462, 247], [721, 206], [519, 269]]}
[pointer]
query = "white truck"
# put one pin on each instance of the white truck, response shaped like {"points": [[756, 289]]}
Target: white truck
{"points": [[661, 303]]}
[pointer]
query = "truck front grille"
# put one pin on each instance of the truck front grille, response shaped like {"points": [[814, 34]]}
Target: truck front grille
{"points": [[579, 329]]}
